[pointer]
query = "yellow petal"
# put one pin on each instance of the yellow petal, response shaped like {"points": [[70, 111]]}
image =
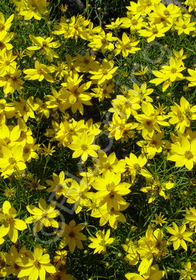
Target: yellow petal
{"points": [[38, 251], [6, 207], [19, 224]]}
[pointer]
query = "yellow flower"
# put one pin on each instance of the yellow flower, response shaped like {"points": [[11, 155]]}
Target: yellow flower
{"points": [[152, 144], [86, 63], [182, 114], [164, 14], [42, 216], [135, 22], [5, 38], [5, 25], [63, 8], [111, 163], [83, 146], [150, 120], [26, 108], [40, 72], [102, 92], [154, 30], [48, 151], [73, 28], [79, 195], [168, 74], [12, 267], [179, 56], [11, 81], [102, 41], [142, 92], [72, 236], [183, 153], [135, 165], [125, 105], [153, 273], [132, 256], [46, 45], [192, 77], [7, 61], [32, 8], [141, 72], [100, 242], [76, 95], [183, 25], [121, 129], [192, 7], [110, 190], [159, 220], [59, 184], [12, 160], [179, 236], [10, 225], [7, 108], [4, 270], [109, 214], [61, 258], [188, 272], [105, 72], [191, 217], [126, 46], [35, 265]]}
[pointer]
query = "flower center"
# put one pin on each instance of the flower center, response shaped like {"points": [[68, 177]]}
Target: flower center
{"points": [[2, 106], [188, 155], [2, 27], [84, 147], [12, 160], [37, 264], [173, 70], [71, 234], [148, 122], [166, 13], [2, 45], [154, 30]]}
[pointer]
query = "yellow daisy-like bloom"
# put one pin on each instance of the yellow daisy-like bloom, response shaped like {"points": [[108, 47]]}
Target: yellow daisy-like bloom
{"points": [[152, 273], [159, 220], [83, 146], [40, 72], [35, 265], [42, 216], [72, 236], [100, 242], [126, 46], [61, 258], [32, 8], [5, 25], [105, 72], [5, 38], [183, 153], [191, 217], [188, 272], [179, 236], [192, 78], [191, 4], [46, 46], [10, 225]]}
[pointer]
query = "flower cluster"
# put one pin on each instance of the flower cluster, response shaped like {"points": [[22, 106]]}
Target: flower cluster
{"points": [[90, 156]]}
